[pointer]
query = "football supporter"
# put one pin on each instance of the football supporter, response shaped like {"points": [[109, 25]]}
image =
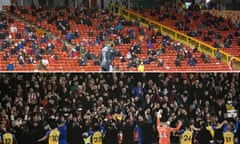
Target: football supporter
{"points": [[164, 131], [109, 103], [204, 135]]}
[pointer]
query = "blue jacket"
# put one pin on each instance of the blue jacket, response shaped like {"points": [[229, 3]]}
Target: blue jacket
{"points": [[138, 132], [10, 67]]}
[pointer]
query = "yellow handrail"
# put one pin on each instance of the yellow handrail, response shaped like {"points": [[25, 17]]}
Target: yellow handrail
{"points": [[176, 35]]}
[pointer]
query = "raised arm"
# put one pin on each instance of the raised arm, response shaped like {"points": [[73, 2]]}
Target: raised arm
{"points": [[221, 124], [194, 128], [159, 115], [178, 126], [158, 122], [44, 137], [236, 126]]}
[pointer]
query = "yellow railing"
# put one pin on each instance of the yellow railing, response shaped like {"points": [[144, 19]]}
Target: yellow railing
{"points": [[176, 35]]}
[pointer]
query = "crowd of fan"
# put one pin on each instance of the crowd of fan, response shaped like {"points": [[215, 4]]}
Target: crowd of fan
{"points": [[214, 25], [28, 44], [60, 17], [124, 31], [115, 102]]}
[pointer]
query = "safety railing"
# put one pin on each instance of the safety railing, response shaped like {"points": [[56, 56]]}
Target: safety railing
{"points": [[176, 35]]}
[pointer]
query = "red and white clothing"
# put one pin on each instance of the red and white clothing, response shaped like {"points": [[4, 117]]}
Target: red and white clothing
{"points": [[32, 97]]}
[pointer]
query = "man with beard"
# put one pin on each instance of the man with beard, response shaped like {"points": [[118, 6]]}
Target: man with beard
{"points": [[145, 124], [127, 130], [75, 130], [111, 136], [204, 136], [147, 132], [36, 130]]}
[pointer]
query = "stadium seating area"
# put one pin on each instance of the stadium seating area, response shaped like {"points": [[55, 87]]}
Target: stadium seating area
{"points": [[29, 102], [209, 24], [41, 16]]}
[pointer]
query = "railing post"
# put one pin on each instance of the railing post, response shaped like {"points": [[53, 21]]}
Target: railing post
{"points": [[110, 7], [213, 53], [199, 46], [119, 10]]}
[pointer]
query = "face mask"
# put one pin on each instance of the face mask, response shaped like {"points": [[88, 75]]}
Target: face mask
{"points": [[165, 92]]}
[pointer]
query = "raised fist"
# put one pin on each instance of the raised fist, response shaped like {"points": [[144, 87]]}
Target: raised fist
{"points": [[159, 113]]}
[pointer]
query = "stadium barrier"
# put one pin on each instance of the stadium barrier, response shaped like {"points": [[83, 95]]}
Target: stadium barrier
{"points": [[174, 34]]}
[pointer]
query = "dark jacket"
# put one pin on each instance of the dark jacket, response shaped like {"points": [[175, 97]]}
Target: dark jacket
{"points": [[204, 136]]}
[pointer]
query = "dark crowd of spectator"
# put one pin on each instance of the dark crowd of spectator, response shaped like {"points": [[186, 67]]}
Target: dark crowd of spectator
{"points": [[115, 102]]}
